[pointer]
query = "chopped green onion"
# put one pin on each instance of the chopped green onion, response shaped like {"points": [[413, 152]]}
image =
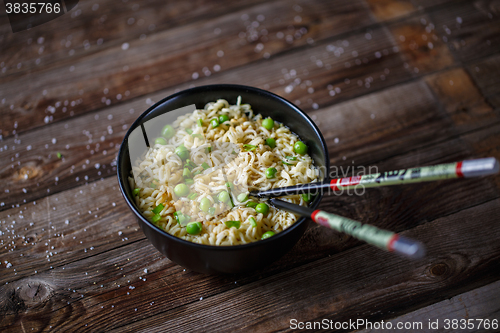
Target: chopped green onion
{"points": [[223, 118], [291, 158], [197, 172], [252, 221], [205, 165], [190, 164], [251, 204], [214, 122], [286, 163], [199, 136], [153, 185], [59, 155], [136, 191], [211, 210], [186, 173], [234, 153], [248, 147], [200, 122], [216, 199], [268, 234], [192, 196], [235, 224], [208, 150], [181, 218], [306, 196], [189, 181], [189, 131], [158, 209], [184, 219], [230, 185], [271, 142], [155, 218]]}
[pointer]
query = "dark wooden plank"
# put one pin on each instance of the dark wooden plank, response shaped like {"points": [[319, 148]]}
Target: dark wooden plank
{"points": [[471, 29], [403, 207], [474, 307], [268, 74], [115, 74], [385, 10], [65, 227], [92, 140], [423, 50], [93, 27], [169, 296], [486, 74], [377, 126], [349, 285]]}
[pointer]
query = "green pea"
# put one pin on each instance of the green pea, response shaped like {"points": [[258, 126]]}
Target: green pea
{"points": [[223, 196], [262, 208], [193, 228], [181, 190], [182, 152], [223, 118], [214, 122], [160, 141], [167, 132], [268, 123], [137, 191], [205, 204], [300, 148], [271, 173], [271, 142], [242, 197], [252, 221], [268, 234]]}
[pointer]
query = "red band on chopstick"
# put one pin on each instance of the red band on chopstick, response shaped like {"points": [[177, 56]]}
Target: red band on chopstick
{"points": [[313, 215], [458, 170], [333, 184], [390, 244], [344, 182]]}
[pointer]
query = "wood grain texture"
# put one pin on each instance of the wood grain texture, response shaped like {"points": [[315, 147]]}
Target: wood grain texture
{"points": [[117, 74], [108, 281], [471, 28], [93, 27], [343, 289], [89, 144], [471, 307], [391, 85], [485, 74]]}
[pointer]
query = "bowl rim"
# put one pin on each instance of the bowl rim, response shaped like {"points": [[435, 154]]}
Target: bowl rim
{"points": [[124, 146]]}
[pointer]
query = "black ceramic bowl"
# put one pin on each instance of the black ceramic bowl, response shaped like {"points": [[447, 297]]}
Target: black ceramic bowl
{"points": [[227, 259]]}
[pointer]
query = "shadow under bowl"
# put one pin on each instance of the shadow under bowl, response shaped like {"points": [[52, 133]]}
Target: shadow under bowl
{"points": [[239, 258]]}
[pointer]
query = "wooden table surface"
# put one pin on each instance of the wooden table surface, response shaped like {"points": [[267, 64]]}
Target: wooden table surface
{"points": [[391, 84]]}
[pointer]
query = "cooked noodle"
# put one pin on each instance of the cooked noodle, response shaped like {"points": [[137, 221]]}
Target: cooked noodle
{"points": [[229, 161]]}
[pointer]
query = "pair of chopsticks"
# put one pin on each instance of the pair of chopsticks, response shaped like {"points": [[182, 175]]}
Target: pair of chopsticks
{"points": [[383, 239]]}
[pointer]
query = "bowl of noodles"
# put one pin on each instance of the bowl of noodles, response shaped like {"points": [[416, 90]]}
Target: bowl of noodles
{"points": [[188, 163]]}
